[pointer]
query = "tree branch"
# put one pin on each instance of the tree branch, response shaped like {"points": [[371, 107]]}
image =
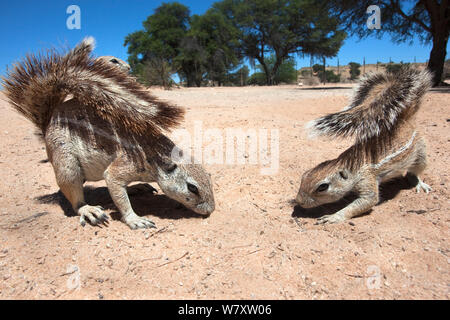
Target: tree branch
{"points": [[412, 18]]}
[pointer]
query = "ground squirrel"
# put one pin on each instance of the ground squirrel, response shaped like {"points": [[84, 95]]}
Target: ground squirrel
{"points": [[381, 117], [117, 62], [99, 123]]}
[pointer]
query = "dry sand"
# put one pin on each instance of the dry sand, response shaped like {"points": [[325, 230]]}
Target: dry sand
{"points": [[251, 247]]}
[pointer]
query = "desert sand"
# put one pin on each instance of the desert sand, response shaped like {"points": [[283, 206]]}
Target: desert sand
{"points": [[256, 245]]}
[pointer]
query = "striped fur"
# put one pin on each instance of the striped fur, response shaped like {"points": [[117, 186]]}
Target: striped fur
{"points": [[380, 102], [39, 83]]}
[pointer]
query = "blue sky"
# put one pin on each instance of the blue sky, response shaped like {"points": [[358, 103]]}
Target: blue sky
{"points": [[30, 26]]}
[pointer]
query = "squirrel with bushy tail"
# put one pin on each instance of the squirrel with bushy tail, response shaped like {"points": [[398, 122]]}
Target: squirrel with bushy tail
{"points": [[387, 143], [99, 123]]}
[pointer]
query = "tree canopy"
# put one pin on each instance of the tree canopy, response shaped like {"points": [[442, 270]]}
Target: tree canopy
{"points": [[402, 19], [160, 39], [282, 28], [209, 47], [219, 40]]}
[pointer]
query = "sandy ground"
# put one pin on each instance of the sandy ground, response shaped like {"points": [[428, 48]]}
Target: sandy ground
{"points": [[256, 245]]}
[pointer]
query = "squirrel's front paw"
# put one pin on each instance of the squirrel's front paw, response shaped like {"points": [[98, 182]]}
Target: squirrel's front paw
{"points": [[136, 222], [94, 215], [332, 218]]}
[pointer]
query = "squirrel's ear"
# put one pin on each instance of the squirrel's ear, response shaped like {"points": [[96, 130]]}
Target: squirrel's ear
{"points": [[344, 174], [168, 165]]}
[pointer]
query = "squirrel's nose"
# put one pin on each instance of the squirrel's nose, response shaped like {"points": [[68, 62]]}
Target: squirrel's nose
{"points": [[205, 208]]}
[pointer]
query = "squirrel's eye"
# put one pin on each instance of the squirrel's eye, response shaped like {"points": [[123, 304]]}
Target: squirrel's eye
{"points": [[114, 61], [323, 187], [192, 188]]}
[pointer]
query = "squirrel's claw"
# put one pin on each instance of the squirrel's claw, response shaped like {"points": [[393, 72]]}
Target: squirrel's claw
{"points": [[332, 218], [137, 222], [423, 186], [93, 215]]}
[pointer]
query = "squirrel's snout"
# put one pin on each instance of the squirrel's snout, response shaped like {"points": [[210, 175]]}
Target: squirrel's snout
{"points": [[299, 198], [205, 209], [304, 201]]}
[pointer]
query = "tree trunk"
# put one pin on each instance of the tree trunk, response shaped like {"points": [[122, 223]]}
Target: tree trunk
{"points": [[274, 70], [190, 81], [266, 70], [440, 30], [437, 56], [268, 76]]}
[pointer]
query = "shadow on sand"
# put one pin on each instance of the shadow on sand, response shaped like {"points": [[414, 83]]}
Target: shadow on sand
{"points": [[326, 88], [441, 89], [142, 196]]}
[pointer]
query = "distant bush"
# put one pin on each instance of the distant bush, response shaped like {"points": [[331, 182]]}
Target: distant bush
{"points": [[395, 67], [257, 79], [317, 68], [286, 72], [354, 70], [157, 72], [332, 77]]}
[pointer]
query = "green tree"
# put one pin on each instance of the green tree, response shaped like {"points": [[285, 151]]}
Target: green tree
{"points": [[325, 75], [198, 48], [163, 32], [258, 79], [403, 19], [282, 28], [285, 73], [191, 61], [220, 41], [318, 68], [332, 77], [354, 70], [395, 67]]}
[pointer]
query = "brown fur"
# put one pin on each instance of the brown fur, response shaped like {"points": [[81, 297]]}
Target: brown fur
{"points": [[40, 82], [98, 123], [380, 104]]}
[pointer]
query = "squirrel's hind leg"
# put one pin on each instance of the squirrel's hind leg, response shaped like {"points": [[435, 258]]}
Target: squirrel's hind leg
{"points": [[70, 180], [416, 169], [414, 180]]}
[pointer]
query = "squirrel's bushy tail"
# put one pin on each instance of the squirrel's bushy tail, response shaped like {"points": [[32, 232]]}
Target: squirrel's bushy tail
{"points": [[379, 103], [40, 82]]}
